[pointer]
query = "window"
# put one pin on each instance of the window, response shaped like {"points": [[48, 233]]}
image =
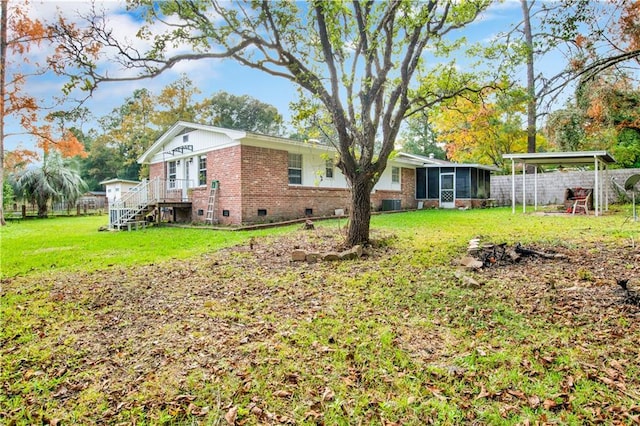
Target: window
{"points": [[463, 183], [433, 183], [172, 174], [476, 192], [185, 138], [395, 174], [202, 170], [421, 183], [328, 169], [295, 169]]}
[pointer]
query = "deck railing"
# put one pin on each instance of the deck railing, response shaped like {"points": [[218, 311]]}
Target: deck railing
{"points": [[148, 192]]}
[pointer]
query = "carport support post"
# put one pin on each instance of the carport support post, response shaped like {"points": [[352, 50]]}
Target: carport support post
{"points": [[596, 189], [535, 188], [513, 186], [524, 187]]}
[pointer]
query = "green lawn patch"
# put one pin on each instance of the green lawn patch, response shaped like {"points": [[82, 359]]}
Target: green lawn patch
{"points": [[221, 328]]}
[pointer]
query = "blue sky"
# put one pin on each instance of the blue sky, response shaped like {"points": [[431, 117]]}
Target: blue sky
{"points": [[209, 75]]}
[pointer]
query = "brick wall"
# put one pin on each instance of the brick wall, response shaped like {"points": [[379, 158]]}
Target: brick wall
{"points": [[156, 171], [407, 194], [225, 166], [254, 178], [265, 183], [551, 186]]}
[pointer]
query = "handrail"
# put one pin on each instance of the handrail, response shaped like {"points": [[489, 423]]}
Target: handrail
{"points": [[147, 192]]}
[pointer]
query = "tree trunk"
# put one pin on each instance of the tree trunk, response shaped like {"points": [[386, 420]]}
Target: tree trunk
{"points": [[531, 88], [43, 210], [360, 212], [3, 77]]}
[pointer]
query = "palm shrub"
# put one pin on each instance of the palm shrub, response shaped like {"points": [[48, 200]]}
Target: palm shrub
{"points": [[54, 181]]}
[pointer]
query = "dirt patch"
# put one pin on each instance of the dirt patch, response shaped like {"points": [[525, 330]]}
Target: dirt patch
{"points": [[583, 277]]}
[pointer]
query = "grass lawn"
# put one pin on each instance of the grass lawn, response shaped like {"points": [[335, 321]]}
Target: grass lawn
{"points": [[192, 326]]}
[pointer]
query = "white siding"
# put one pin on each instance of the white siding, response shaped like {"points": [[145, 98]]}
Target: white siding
{"points": [[202, 142]]}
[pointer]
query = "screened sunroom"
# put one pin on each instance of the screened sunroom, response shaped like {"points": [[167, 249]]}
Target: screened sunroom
{"points": [[453, 185]]}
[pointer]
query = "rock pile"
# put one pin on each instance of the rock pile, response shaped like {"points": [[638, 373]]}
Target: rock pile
{"points": [[354, 252]]}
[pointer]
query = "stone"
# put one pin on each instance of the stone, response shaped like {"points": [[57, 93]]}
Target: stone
{"points": [[313, 257], [471, 263], [331, 257], [298, 255], [470, 282], [353, 253]]}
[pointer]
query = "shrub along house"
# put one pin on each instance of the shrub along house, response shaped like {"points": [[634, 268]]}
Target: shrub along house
{"points": [[201, 173]]}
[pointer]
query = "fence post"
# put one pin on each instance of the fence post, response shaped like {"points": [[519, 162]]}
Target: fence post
{"points": [[24, 211]]}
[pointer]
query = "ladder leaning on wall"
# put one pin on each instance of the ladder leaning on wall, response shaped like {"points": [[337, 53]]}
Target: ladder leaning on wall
{"points": [[211, 205]]}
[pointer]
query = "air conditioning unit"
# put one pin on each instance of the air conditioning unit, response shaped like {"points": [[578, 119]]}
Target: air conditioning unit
{"points": [[390, 205]]}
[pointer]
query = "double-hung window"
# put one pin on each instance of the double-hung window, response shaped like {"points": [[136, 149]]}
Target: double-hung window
{"points": [[395, 174], [202, 170], [328, 172], [172, 173], [295, 169]]}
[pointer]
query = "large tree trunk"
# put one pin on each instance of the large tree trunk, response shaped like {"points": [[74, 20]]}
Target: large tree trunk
{"points": [[3, 64], [531, 88], [360, 212]]}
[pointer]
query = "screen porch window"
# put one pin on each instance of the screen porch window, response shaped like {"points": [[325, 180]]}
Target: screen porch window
{"points": [[202, 170], [395, 174], [172, 173], [295, 169]]}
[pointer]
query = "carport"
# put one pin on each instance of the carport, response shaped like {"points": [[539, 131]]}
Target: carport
{"points": [[599, 159]]}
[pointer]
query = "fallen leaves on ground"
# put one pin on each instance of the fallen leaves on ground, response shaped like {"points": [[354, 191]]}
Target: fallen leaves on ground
{"points": [[244, 336]]}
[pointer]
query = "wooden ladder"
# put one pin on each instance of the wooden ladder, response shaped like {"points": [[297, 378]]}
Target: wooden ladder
{"points": [[211, 206]]}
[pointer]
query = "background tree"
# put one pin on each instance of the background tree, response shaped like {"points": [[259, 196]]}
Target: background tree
{"points": [[565, 128], [240, 112], [481, 129], [419, 136], [358, 59], [604, 115], [52, 181], [174, 103]]}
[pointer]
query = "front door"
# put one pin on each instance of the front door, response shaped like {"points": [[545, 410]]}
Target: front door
{"points": [[447, 190]]}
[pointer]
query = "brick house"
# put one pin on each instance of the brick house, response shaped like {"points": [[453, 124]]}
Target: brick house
{"points": [[263, 178], [202, 173]]}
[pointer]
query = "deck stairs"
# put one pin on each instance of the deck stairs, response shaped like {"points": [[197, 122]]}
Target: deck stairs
{"points": [[131, 210]]}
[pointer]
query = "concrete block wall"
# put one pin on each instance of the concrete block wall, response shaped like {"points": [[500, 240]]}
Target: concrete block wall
{"points": [[552, 186]]}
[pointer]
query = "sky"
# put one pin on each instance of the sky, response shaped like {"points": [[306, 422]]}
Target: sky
{"points": [[209, 76]]}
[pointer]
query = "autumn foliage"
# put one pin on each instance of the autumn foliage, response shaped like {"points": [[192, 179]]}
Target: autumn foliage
{"points": [[23, 35]]}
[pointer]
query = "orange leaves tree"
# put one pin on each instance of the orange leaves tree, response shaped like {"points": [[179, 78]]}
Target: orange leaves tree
{"points": [[19, 35]]}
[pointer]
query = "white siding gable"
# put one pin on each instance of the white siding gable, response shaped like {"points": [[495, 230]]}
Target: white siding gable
{"points": [[201, 141]]}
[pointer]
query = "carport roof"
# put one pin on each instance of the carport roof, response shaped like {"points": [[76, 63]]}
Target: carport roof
{"points": [[576, 157]]}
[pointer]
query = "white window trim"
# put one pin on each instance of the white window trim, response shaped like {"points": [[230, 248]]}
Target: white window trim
{"points": [[289, 168], [399, 180], [200, 169]]}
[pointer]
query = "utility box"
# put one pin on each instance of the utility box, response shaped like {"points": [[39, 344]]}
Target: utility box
{"points": [[390, 205]]}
